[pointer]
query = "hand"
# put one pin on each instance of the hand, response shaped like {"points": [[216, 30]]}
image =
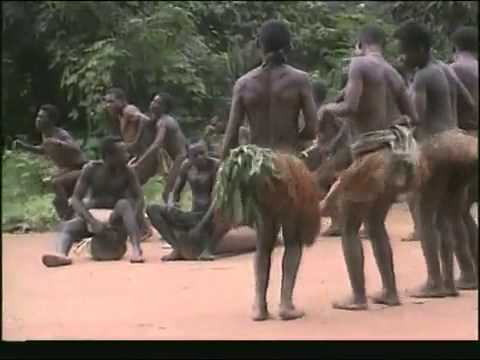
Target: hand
{"points": [[324, 110], [17, 143], [132, 161], [53, 141]]}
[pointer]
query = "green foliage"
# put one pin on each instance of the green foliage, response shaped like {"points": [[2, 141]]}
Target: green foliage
{"points": [[235, 191], [25, 195]]}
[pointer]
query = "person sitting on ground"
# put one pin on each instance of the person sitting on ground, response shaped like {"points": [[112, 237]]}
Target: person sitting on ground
{"points": [[107, 184], [176, 225], [59, 146]]}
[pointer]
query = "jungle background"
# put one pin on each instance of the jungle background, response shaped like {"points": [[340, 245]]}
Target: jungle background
{"points": [[69, 53]]}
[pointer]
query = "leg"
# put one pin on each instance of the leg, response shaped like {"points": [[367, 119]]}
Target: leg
{"points": [[466, 262], [158, 217], [267, 234], [123, 212], [413, 207], [219, 230], [63, 186], [472, 197], [73, 230], [172, 175], [292, 256], [445, 225], [353, 254], [383, 251], [427, 210]]}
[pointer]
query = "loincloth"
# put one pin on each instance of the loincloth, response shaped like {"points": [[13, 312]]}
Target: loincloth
{"points": [[383, 161]]}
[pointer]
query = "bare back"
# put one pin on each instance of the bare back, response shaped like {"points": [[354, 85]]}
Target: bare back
{"points": [[377, 108], [271, 99], [467, 72], [433, 94], [175, 141]]}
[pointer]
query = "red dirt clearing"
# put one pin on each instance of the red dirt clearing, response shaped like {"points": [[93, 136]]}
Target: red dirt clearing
{"points": [[212, 300]]}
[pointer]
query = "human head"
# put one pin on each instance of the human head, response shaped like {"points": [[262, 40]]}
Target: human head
{"points": [[47, 117], [198, 152], [115, 101], [113, 152], [162, 103], [371, 36], [466, 39], [273, 37], [415, 44], [319, 92]]}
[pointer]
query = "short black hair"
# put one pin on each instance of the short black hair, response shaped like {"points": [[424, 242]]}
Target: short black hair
{"points": [[466, 39], [117, 93], [319, 90], [372, 35], [52, 112], [274, 35], [108, 145], [167, 101], [414, 36]]}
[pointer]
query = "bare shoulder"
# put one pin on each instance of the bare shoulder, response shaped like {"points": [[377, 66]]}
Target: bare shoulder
{"points": [[130, 110], [298, 75]]}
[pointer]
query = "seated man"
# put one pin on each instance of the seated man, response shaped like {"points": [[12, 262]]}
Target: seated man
{"points": [[59, 146], [179, 228], [109, 184]]}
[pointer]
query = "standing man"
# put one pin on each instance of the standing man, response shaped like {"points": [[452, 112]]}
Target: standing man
{"points": [[160, 131], [451, 158], [125, 118], [271, 97], [374, 92]]}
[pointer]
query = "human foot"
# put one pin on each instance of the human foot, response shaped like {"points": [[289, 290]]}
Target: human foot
{"points": [[174, 255], [260, 313], [137, 257], [466, 283], [290, 313], [206, 256], [351, 304], [428, 291], [55, 260], [386, 299]]}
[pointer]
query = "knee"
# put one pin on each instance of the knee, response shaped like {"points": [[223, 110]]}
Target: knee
{"points": [[123, 205]]}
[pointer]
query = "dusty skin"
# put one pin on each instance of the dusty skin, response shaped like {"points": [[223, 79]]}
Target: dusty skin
{"points": [[82, 296]]}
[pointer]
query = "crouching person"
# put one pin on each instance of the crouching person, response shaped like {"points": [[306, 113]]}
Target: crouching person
{"points": [[110, 184]]}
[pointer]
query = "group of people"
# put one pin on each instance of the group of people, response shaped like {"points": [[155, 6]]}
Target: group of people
{"points": [[393, 129]]}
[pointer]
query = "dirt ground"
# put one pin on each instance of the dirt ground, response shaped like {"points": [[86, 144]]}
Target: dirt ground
{"points": [[212, 300]]}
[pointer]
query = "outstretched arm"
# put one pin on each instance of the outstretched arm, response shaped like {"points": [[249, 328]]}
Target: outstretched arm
{"points": [[157, 142], [237, 114], [180, 181], [31, 148]]}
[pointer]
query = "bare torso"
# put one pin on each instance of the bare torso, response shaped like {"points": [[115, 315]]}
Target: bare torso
{"points": [[201, 184], [65, 158]]}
